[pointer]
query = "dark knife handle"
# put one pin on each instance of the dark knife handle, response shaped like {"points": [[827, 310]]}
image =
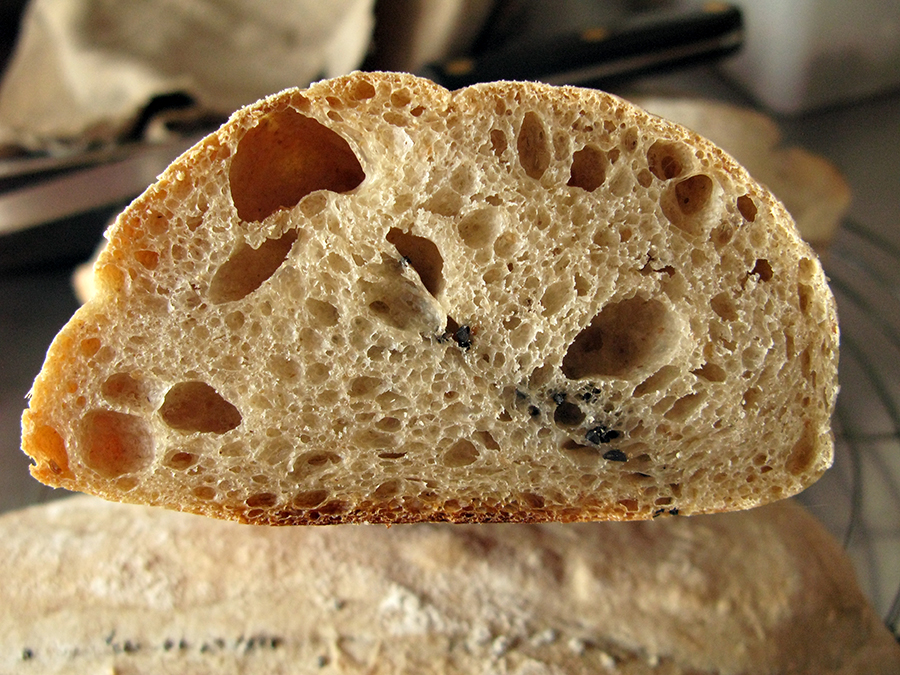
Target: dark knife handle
{"points": [[633, 46]]}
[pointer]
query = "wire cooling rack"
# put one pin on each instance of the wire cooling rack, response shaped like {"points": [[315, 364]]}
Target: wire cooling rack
{"points": [[859, 498]]}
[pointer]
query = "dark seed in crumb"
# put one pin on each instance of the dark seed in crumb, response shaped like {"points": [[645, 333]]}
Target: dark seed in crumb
{"points": [[615, 456], [130, 647], [27, 654], [534, 411], [168, 645], [463, 337], [559, 397], [587, 396], [601, 434], [673, 512], [658, 513]]}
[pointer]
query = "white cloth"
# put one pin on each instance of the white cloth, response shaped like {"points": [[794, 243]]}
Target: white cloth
{"points": [[83, 70]]}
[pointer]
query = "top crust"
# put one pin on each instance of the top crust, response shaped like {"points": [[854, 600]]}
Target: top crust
{"points": [[378, 300]]}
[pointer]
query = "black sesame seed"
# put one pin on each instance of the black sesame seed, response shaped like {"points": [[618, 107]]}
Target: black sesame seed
{"points": [[168, 645], [587, 396], [559, 397], [27, 654], [673, 512], [276, 642], [615, 456], [130, 647], [601, 434], [658, 513], [463, 337]]}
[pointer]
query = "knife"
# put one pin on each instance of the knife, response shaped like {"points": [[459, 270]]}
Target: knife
{"points": [[626, 46]]}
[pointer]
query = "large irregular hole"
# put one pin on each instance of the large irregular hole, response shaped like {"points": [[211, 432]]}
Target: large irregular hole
{"points": [[666, 160], [322, 313], [803, 454], [684, 203], [313, 462], [249, 267], [533, 146], [498, 142], [747, 207], [422, 255], [711, 372], [195, 406], [723, 305], [763, 269], [115, 443], [264, 500], [588, 169], [124, 389], [285, 157], [310, 498], [684, 407], [556, 296], [627, 338], [657, 381], [461, 453], [693, 193], [180, 460], [568, 414], [480, 228]]}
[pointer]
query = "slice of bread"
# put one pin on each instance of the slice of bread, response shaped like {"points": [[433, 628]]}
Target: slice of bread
{"points": [[378, 300], [813, 190], [94, 587]]}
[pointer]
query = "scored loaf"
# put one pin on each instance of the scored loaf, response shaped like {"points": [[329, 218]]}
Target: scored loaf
{"points": [[379, 300], [94, 587]]}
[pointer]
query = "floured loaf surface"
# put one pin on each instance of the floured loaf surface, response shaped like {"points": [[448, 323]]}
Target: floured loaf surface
{"points": [[378, 300], [145, 591]]}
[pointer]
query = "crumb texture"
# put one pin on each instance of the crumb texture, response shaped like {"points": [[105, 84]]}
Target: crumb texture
{"points": [[377, 300]]}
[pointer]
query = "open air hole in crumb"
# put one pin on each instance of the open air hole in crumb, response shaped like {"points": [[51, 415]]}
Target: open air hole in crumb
{"points": [[422, 255], [285, 157], [533, 146], [196, 406], [625, 337], [248, 268]]}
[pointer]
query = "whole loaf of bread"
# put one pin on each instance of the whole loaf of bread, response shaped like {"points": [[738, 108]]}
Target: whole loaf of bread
{"points": [[379, 300], [94, 587]]}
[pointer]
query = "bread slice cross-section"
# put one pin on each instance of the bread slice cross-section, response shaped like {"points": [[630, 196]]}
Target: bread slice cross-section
{"points": [[378, 300]]}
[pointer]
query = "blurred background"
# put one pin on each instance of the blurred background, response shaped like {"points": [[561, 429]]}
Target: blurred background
{"points": [[97, 96]]}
